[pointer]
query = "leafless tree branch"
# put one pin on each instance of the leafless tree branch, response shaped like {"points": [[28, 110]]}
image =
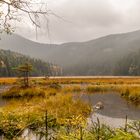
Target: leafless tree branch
{"points": [[13, 7]]}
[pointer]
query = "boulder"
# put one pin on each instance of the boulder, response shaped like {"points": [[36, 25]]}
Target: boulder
{"points": [[99, 106]]}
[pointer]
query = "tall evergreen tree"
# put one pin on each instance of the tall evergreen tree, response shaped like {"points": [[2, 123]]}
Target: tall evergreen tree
{"points": [[24, 71]]}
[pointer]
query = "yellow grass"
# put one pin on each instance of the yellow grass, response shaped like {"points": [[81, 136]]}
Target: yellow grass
{"points": [[129, 87], [7, 80], [96, 80]]}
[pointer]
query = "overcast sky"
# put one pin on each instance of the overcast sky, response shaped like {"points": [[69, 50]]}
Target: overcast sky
{"points": [[85, 20]]}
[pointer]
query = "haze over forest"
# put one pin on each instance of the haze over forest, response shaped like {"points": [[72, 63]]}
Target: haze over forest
{"points": [[69, 65], [101, 56], [100, 36]]}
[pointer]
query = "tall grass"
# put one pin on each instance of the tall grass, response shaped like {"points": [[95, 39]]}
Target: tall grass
{"points": [[99, 131], [5, 81], [67, 116], [131, 93], [99, 88], [72, 88], [62, 110], [17, 92]]}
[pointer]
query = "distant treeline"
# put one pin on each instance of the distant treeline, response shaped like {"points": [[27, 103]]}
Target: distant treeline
{"points": [[10, 60], [129, 65]]}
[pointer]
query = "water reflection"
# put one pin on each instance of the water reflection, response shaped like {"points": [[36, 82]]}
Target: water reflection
{"points": [[114, 105], [2, 89], [115, 109]]}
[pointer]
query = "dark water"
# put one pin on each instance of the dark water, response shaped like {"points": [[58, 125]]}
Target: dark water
{"points": [[2, 89], [115, 109], [114, 105]]}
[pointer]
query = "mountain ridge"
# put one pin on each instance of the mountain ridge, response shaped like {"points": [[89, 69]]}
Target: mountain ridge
{"points": [[79, 58]]}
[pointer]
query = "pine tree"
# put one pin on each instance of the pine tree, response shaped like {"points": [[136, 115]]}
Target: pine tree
{"points": [[24, 71]]}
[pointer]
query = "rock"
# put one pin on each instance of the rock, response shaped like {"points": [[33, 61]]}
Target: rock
{"points": [[99, 106]]}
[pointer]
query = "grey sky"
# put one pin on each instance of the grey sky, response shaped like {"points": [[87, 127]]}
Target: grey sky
{"points": [[85, 20]]}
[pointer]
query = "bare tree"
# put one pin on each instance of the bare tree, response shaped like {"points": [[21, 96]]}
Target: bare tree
{"points": [[13, 10]]}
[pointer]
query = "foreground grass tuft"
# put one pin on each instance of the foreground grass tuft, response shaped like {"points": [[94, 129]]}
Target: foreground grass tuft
{"points": [[23, 114]]}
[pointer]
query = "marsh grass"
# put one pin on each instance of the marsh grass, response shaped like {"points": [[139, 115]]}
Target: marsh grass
{"points": [[9, 81], [99, 131], [72, 88], [128, 87], [96, 81], [68, 116], [100, 88], [62, 110], [54, 85], [131, 93], [18, 92]]}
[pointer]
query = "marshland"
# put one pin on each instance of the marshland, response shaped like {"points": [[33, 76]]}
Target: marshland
{"points": [[69, 70], [70, 108]]}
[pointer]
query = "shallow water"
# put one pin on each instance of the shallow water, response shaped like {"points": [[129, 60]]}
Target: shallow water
{"points": [[2, 89], [113, 114], [115, 108]]}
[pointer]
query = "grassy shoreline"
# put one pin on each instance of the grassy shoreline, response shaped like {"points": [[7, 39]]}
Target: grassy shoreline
{"points": [[128, 87], [52, 100], [78, 80]]}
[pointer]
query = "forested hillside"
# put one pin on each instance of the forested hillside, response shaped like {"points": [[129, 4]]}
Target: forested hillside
{"points": [[10, 60], [128, 65], [95, 57]]}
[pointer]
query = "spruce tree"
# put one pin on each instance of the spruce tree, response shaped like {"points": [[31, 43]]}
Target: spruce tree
{"points": [[24, 71]]}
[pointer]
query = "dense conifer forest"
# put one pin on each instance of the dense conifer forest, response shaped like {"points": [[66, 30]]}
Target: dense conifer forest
{"points": [[10, 60]]}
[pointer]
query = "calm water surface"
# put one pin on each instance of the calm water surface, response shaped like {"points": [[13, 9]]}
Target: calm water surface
{"points": [[115, 108]]}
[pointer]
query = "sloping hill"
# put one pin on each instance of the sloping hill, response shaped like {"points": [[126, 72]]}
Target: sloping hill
{"points": [[95, 57], [129, 65], [10, 60]]}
